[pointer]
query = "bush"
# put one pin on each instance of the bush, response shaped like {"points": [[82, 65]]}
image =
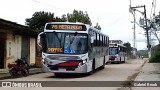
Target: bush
{"points": [[155, 58]]}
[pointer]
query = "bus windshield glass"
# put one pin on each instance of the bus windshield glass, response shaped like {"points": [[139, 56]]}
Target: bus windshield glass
{"points": [[65, 43], [113, 50]]}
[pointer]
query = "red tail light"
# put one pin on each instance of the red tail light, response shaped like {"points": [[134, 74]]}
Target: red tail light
{"points": [[69, 64]]}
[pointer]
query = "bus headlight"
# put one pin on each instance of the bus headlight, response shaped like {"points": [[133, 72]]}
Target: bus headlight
{"points": [[83, 62], [116, 55], [45, 61]]}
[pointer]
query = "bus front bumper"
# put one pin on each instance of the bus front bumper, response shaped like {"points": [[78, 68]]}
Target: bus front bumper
{"points": [[80, 69], [113, 60]]}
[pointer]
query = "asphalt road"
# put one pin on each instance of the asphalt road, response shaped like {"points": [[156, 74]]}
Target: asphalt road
{"points": [[112, 72]]}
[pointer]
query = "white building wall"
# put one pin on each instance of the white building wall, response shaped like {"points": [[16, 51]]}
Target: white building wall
{"points": [[18, 46], [32, 51], [10, 45]]}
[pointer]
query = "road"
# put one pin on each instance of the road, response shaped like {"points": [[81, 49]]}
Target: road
{"points": [[112, 72]]}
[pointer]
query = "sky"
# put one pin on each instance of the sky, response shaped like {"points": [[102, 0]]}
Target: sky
{"points": [[112, 15]]}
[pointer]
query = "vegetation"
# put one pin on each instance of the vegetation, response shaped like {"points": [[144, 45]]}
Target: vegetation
{"points": [[155, 58], [39, 19], [98, 26], [154, 27], [128, 49], [155, 54], [143, 53], [79, 16]]}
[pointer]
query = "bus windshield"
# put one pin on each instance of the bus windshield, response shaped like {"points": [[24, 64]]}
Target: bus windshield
{"points": [[65, 43], [113, 50]]}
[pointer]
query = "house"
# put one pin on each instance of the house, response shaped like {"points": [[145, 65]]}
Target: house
{"points": [[16, 41]]}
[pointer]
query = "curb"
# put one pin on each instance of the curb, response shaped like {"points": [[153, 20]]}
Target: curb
{"points": [[5, 75]]}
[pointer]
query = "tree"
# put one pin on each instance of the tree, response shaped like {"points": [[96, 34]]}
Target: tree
{"points": [[79, 16], [39, 19], [157, 19], [128, 48], [98, 26], [154, 27], [64, 18]]}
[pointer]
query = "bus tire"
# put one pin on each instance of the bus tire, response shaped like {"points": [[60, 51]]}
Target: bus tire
{"points": [[93, 68], [119, 61], [124, 60], [58, 74]]}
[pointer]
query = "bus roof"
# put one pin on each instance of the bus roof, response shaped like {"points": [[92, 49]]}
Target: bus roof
{"points": [[116, 45], [97, 31], [79, 23], [65, 23]]}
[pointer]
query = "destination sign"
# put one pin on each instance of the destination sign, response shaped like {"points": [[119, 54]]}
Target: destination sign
{"points": [[55, 50], [66, 27]]}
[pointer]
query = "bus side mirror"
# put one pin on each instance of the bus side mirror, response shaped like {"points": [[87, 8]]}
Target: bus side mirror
{"points": [[39, 39]]}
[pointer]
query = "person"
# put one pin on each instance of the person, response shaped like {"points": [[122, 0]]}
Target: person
{"points": [[19, 62], [142, 57], [79, 46], [22, 62]]}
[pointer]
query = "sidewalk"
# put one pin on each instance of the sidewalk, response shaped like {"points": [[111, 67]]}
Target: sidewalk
{"points": [[5, 75], [149, 72]]}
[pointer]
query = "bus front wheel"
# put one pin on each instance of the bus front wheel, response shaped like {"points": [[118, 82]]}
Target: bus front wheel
{"points": [[93, 67], [58, 74]]}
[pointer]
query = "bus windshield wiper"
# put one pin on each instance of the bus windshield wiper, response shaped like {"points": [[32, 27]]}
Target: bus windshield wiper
{"points": [[75, 34], [58, 38]]}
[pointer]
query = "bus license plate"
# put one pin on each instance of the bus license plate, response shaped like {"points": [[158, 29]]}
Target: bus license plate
{"points": [[62, 69]]}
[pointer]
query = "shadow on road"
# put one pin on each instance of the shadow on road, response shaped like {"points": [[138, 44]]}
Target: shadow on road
{"points": [[68, 75]]}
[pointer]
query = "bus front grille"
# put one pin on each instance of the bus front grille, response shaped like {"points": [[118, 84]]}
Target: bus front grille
{"points": [[55, 67]]}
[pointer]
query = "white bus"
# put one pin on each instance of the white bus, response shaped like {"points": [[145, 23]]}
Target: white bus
{"points": [[72, 48], [117, 53]]}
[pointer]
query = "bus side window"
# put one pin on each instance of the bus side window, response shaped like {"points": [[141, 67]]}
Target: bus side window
{"points": [[95, 40], [99, 40], [104, 41], [107, 41]]}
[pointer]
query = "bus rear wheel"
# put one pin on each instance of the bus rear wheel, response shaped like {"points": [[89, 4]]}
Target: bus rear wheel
{"points": [[119, 62], [124, 60]]}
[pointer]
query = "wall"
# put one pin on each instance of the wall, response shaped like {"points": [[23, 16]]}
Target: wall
{"points": [[18, 46], [14, 48], [10, 56], [32, 51]]}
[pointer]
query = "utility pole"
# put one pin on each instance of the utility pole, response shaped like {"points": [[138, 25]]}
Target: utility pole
{"points": [[134, 33], [145, 26]]}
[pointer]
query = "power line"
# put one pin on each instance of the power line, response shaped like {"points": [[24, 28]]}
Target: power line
{"points": [[153, 8], [49, 5]]}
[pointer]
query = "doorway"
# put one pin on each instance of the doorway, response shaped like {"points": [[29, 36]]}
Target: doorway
{"points": [[25, 48], [2, 50]]}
